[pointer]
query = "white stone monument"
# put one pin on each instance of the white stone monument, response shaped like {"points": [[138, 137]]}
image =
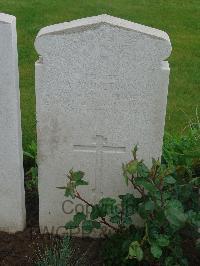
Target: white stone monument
{"points": [[101, 88], [12, 202]]}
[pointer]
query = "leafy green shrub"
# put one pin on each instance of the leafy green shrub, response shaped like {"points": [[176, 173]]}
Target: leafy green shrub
{"points": [[57, 256], [167, 201], [184, 150], [32, 172]]}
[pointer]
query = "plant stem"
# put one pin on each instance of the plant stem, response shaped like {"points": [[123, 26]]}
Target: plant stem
{"points": [[103, 220], [78, 196], [139, 189]]}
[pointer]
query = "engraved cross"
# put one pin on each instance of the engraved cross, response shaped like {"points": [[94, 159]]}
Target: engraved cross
{"points": [[99, 148]]}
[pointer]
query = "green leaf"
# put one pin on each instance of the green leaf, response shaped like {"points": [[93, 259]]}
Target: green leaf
{"points": [[107, 201], [96, 212], [96, 224], [135, 251], [129, 204], [128, 198], [81, 183], [142, 170], [162, 240], [194, 217], [125, 174], [89, 225], [127, 220], [169, 180], [146, 184], [142, 212], [134, 151], [156, 251], [166, 195], [33, 172], [195, 181], [149, 205], [28, 154], [115, 219], [169, 261], [131, 167], [79, 217], [107, 206], [192, 154], [69, 190], [76, 176], [175, 214], [71, 225]]}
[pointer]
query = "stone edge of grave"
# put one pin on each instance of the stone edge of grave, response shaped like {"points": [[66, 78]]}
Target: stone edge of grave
{"points": [[21, 223], [5, 18], [92, 22]]}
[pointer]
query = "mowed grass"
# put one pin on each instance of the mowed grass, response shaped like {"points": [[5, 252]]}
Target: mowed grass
{"points": [[179, 18]]}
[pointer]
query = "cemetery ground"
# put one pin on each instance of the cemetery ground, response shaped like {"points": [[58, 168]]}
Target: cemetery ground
{"points": [[24, 248], [180, 19]]}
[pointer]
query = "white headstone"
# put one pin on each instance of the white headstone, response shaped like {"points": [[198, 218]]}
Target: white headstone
{"points": [[101, 88], [12, 202]]}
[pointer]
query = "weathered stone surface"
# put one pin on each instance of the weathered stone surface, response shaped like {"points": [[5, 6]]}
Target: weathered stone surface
{"points": [[12, 202], [101, 88]]}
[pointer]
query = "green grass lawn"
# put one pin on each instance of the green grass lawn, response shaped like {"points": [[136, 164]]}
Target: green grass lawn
{"points": [[179, 18]]}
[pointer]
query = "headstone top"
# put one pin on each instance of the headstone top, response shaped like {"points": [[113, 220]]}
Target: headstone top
{"points": [[95, 21], [5, 18]]}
